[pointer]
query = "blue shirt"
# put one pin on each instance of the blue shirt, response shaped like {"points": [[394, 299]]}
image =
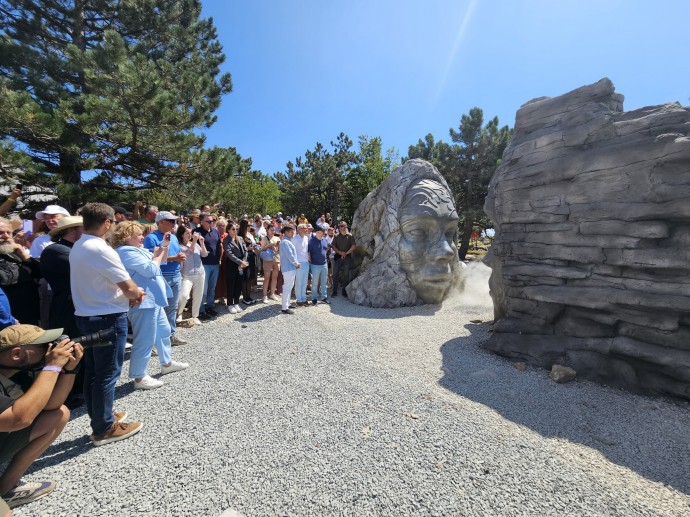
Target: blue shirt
{"points": [[154, 239], [317, 251], [213, 246], [6, 318]]}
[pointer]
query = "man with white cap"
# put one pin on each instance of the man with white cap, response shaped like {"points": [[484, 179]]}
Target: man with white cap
{"points": [[50, 217], [171, 270], [32, 414]]}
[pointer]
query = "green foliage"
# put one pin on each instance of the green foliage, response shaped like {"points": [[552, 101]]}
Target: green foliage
{"points": [[108, 92], [467, 165], [335, 180]]}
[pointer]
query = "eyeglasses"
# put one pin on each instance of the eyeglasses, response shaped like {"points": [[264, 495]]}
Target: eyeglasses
{"points": [[209, 221]]}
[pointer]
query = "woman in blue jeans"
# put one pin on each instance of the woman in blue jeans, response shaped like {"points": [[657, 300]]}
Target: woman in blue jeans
{"points": [[150, 324]]}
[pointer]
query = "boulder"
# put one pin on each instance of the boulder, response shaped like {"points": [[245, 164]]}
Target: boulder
{"points": [[591, 257]]}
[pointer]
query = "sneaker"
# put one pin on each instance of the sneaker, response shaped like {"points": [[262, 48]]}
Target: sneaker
{"points": [[174, 340], [273, 297], [293, 306], [287, 311], [204, 316], [326, 300], [174, 366], [179, 318], [238, 308], [196, 321], [119, 415], [25, 493], [147, 383], [211, 311], [128, 345], [300, 304], [118, 431], [232, 309], [314, 302], [265, 300], [248, 302]]}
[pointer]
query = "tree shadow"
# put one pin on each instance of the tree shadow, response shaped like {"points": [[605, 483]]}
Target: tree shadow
{"points": [[650, 436]]}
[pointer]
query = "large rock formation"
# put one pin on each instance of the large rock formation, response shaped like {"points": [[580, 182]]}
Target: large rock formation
{"points": [[590, 262], [407, 229]]}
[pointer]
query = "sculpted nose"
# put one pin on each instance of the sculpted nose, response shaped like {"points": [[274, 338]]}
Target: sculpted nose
{"points": [[442, 251]]}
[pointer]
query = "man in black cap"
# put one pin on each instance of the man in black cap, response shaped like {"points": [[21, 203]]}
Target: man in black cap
{"points": [[120, 214]]}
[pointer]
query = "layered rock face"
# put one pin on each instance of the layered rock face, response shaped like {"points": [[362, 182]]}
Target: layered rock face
{"points": [[591, 258]]}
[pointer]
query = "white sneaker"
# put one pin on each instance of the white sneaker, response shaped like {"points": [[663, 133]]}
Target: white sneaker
{"points": [[238, 308], [265, 300], [197, 321], [128, 345], [147, 383], [174, 366], [179, 318], [232, 309], [273, 297]]}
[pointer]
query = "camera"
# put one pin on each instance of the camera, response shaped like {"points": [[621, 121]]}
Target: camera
{"points": [[93, 340]]}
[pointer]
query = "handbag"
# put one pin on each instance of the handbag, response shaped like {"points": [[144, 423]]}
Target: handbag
{"points": [[267, 254]]}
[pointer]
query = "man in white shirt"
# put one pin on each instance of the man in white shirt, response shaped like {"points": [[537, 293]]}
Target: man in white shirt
{"points": [[102, 292], [301, 243], [50, 217]]}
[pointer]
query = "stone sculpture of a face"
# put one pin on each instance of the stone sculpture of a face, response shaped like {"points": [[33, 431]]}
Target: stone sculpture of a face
{"points": [[406, 231], [428, 229]]}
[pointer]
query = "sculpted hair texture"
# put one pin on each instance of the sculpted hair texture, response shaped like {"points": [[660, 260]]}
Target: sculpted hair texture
{"points": [[380, 237]]}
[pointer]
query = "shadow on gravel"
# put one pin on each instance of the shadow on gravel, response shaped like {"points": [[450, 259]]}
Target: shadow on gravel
{"points": [[343, 307], [650, 436], [261, 312]]}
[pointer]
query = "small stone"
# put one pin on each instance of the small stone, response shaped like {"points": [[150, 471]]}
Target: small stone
{"points": [[520, 366], [561, 374], [413, 416]]}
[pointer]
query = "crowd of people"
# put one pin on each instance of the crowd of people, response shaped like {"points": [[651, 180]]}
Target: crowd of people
{"points": [[114, 276]]}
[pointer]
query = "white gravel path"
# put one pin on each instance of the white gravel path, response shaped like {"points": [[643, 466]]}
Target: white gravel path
{"points": [[346, 410]]}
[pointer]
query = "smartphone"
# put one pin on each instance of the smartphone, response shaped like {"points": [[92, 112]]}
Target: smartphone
{"points": [[167, 236]]}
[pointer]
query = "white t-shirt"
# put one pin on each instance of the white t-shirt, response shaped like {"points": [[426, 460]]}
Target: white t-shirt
{"points": [[95, 271], [38, 245]]}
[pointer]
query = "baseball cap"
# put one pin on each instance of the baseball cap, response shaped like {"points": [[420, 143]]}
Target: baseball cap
{"points": [[20, 335], [167, 216], [119, 209]]}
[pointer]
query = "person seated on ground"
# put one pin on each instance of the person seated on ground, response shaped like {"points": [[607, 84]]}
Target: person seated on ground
{"points": [[32, 414]]}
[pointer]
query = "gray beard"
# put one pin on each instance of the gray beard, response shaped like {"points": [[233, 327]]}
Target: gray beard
{"points": [[7, 248]]}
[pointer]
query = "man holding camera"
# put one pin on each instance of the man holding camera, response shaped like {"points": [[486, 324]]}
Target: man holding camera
{"points": [[32, 414]]}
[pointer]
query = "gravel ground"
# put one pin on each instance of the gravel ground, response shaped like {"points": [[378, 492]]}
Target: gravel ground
{"points": [[349, 410]]}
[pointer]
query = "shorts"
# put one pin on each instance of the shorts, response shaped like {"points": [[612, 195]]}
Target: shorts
{"points": [[12, 443]]}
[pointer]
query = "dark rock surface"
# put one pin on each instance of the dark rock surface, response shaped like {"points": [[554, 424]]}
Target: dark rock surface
{"points": [[590, 262]]}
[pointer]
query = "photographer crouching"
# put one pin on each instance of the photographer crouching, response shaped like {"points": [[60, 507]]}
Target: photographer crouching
{"points": [[32, 414]]}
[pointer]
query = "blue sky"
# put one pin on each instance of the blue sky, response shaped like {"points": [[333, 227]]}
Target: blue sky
{"points": [[305, 70]]}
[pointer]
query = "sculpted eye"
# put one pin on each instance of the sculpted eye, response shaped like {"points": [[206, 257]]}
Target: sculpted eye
{"points": [[415, 234], [450, 236]]}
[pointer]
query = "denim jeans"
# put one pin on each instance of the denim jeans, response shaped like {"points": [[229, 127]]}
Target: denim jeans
{"points": [[319, 274], [171, 310], [210, 286], [149, 327], [301, 280], [102, 367]]}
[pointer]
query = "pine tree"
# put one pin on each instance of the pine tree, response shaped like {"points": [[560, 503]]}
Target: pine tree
{"points": [[108, 92]]}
